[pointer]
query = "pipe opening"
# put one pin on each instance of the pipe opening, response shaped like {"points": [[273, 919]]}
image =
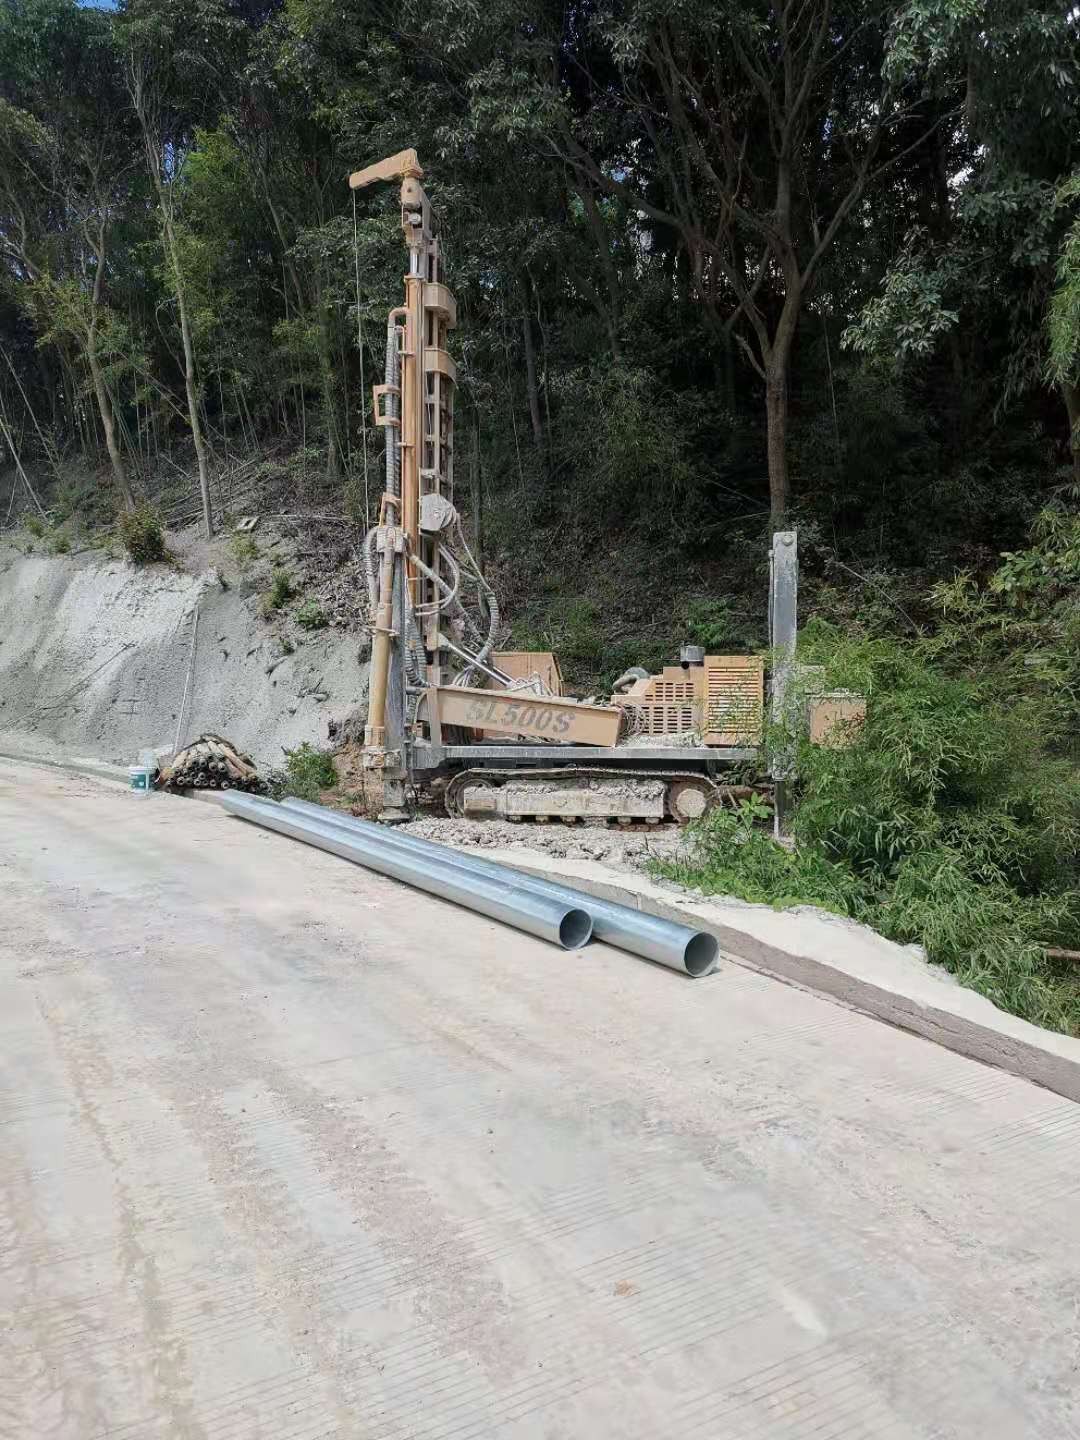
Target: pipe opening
{"points": [[700, 954], [575, 929]]}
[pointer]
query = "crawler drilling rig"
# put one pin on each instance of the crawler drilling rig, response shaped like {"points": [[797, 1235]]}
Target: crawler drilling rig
{"points": [[491, 729]]}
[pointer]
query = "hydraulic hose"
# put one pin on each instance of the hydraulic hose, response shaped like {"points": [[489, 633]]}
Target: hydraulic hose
{"points": [[392, 376]]}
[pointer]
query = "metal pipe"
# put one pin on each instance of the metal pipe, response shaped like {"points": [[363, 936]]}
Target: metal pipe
{"points": [[476, 665], [378, 670], [551, 919], [679, 947], [392, 377]]}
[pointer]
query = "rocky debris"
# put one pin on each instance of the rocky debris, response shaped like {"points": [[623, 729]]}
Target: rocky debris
{"points": [[341, 593], [678, 739], [624, 848]]}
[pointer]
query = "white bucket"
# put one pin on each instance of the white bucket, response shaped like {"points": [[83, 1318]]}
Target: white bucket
{"points": [[140, 779]]}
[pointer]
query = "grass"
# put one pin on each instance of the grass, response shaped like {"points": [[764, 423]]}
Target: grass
{"points": [[308, 772], [951, 821], [244, 550], [280, 593], [310, 616], [55, 540], [142, 535]]}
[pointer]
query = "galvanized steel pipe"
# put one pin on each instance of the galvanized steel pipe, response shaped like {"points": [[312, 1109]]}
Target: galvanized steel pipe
{"points": [[550, 918], [680, 947]]}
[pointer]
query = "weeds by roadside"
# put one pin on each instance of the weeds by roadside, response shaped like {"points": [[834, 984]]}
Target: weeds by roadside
{"points": [[142, 535], [953, 820], [310, 616], [308, 772], [244, 550], [280, 593]]}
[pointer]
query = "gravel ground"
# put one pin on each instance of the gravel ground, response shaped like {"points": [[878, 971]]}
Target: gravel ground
{"points": [[627, 848]]}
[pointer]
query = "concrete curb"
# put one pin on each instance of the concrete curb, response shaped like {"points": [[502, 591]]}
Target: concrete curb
{"points": [[111, 774], [844, 961]]}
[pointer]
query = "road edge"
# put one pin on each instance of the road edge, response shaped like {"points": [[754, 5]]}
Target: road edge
{"points": [[812, 951], [843, 962]]}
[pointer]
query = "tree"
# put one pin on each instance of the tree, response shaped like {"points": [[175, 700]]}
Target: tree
{"points": [[1063, 366], [987, 266], [753, 132], [176, 55], [64, 163]]}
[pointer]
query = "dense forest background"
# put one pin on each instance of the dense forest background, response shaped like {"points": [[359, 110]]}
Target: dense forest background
{"points": [[720, 264]]}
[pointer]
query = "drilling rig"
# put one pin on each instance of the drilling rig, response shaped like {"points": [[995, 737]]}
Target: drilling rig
{"points": [[491, 729]]}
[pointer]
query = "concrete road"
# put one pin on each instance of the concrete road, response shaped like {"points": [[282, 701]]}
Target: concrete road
{"points": [[289, 1151]]}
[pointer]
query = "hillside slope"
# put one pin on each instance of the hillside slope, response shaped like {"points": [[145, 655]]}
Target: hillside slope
{"points": [[95, 656]]}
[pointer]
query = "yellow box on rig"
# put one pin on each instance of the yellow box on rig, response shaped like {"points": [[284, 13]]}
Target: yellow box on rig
{"points": [[543, 717]]}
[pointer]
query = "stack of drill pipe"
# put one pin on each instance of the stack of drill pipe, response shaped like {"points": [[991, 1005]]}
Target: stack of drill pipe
{"points": [[679, 947], [503, 898], [210, 763]]}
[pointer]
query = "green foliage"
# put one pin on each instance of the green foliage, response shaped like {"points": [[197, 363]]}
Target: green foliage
{"points": [[733, 856], [906, 320], [244, 550], [590, 655], [54, 539], [310, 615], [636, 443], [308, 772], [281, 589], [714, 625], [1063, 319], [952, 820], [142, 535]]}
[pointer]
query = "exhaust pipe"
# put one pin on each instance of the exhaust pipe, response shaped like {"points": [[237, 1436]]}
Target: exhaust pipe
{"points": [[679, 947], [564, 924]]}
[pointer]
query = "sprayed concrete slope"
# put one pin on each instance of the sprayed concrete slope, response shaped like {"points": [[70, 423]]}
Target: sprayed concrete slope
{"points": [[291, 1151], [94, 654]]}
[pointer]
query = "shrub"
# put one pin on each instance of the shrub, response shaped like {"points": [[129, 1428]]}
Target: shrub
{"points": [[310, 615], [280, 593], [35, 525], [142, 535], [308, 772], [244, 550], [57, 542], [953, 820], [713, 625], [281, 587]]}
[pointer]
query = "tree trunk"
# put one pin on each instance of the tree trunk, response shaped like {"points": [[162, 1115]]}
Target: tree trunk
{"points": [[1071, 393], [776, 416], [607, 265], [329, 389], [531, 387], [140, 88], [775, 363], [189, 369], [104, 404], [477, 491], [101, 390]]}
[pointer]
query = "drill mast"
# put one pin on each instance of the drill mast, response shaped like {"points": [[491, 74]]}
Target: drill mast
{"points": [[415, 405]]}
